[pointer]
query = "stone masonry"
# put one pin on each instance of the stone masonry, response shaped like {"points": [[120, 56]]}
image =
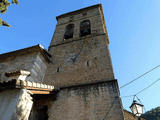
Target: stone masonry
{"points": [[77, 70], [19, 73], [82, 71], [92, 63], [88, 102], [29, 59]]}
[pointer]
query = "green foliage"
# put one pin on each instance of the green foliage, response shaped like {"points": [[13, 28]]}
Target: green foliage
{"points": [[4, 4], [153, 114], [15, 2]]}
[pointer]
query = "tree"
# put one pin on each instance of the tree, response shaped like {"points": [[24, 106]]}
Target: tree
{"points": [[4, 4], [153, 114]]}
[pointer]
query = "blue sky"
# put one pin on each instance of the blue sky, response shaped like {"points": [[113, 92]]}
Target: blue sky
{"points": [[134, 32]]}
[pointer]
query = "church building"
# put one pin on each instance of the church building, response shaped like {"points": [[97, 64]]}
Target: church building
{"points": [[72, 80]]}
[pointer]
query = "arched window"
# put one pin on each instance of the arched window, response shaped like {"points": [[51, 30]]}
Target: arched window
{"points": [[69, 31], [85, 28]]}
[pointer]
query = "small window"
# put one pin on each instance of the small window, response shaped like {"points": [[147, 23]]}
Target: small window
{"points": [[84, 14], [69, 31], [85, 28]]}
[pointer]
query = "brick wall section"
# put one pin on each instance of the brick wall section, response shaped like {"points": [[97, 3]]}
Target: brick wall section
{"points": [[89, 102], [129, 116]]}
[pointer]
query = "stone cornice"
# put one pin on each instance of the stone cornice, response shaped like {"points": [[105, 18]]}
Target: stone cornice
{"points": [[35, 88]]}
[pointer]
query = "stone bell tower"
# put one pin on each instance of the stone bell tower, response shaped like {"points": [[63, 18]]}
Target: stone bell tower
{"points": [[80, 49], [81, 68]]}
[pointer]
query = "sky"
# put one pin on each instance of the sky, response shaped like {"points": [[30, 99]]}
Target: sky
{"points": [[134, 32]]}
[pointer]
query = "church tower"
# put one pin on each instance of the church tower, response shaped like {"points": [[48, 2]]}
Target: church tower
{"points": [[80, 49], [81, 68]]}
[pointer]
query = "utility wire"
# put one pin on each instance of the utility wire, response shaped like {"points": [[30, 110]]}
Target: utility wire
{"points": [[148, 86], [143, 89], [127, 96], [140, 76]]}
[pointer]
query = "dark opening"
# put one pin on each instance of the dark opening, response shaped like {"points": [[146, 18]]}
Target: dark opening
{"points": [[69, 31], [42, 113], [58, 69], [87, 63], [85, 28]]}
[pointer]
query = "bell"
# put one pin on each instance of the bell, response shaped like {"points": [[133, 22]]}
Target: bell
{"points": [[85, 31], [68, 35]]}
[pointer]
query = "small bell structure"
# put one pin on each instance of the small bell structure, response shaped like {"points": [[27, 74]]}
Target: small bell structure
{"points": [[136, 108]]}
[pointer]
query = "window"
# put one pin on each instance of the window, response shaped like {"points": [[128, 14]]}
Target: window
{"points": [[85, 13], [69, 31], [85, 28]]}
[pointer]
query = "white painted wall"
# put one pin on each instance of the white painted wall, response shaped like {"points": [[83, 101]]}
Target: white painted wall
{"points": [[15, 104]]}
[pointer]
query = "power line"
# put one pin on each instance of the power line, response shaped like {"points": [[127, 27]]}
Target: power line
{"points": [[135, 95], [148, 86], [143, 89], [139, 76], [127, 96]]}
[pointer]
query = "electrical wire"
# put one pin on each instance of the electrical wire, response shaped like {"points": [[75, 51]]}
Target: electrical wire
{"points": [[127, 96], [143, 89], [140, 76], [135, 95], [148, 86]]}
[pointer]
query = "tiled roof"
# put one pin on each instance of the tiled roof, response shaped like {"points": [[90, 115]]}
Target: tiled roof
{"points": [[35, 88], [131, 116]]}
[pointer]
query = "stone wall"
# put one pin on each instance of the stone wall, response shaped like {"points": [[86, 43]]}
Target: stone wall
{"points": [[95, 17], [81, 68], [80, 62], [15, 104], [89, 102], [33, 62]]}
